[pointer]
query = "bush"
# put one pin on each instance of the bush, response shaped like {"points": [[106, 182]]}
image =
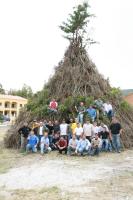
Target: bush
{"points": [[125, 106], [114, 92]]}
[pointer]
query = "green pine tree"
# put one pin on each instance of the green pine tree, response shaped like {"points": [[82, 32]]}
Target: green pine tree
{"points": [[75, 28]]}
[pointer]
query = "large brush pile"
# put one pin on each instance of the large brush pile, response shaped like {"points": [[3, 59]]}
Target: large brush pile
{"points": [[12, 138], [76, 75]]}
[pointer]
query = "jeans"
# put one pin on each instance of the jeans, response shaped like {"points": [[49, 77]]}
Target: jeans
{"points": [[110, 146], [95, 151], [78, 137], [80, 118], [23, 142], [61, 150], [116, 142], [50, 138], [110, 114], [44, 149], [70, 150], [31, 147], [39, 137], [83, 150], [69, 136], [105, 144]]}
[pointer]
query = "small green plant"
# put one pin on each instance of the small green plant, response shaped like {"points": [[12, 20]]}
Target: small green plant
{"points": [[89, 101], [125, 106], [114, 92]]}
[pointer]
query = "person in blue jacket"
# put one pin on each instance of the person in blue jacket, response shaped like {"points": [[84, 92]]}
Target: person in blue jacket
{"points": [[32, 142], [92, 113]]}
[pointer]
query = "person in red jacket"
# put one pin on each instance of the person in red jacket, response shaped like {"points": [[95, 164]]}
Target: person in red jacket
{"points": [[53, 106], [62, 145]]}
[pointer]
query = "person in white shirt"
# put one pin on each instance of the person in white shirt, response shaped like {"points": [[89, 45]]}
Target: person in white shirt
{"points": [[73, 143], [87, 128], [40, 131], [95, 129], [44, 146], [78, 131], [63, 129], [108, 109], [102, 126]]}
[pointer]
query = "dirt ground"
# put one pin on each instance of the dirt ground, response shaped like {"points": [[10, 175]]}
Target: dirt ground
{"points": [[58, 177]]}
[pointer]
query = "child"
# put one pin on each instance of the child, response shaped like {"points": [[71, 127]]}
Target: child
{"points": [[32, 142], [95, 143], [44, 146]]}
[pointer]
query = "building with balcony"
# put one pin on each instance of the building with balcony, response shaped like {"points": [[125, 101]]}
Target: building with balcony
{"points": [[11, 105]]}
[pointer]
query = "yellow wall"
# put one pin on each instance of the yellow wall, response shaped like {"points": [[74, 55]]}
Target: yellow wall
{"points": [[10, 109]]}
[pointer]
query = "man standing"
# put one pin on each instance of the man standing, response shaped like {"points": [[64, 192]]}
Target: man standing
{"points": [[56, 127], [24, 132], [81, 111], [92, 113], [108, 109], [87, 128], [51, 131], [40, 131], [95, 129], [78, 131], [64, 129], [104, 135], [116, 130]]}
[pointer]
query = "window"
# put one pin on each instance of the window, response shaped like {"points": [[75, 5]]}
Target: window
{"points": [[0, 104], [21, 105], [13, 113], [14, 105], [7, 104]]}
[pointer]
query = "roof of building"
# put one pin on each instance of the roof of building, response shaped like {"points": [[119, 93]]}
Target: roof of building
{"points": [[129, 98], [4, 96]]}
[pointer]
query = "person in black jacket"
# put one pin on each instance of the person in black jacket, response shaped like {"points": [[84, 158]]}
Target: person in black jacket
{"points": [[116, 131], [24, 132], [104, 135]]}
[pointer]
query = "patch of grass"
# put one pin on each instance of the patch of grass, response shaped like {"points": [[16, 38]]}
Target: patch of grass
{"points": [[7, 159], [50, 193]]}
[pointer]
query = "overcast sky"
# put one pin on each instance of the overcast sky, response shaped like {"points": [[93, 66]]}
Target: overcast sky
{"points": [[31, 43]]}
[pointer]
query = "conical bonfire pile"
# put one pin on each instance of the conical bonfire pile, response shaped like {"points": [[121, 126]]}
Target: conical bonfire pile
{"points": [[76, 75]]}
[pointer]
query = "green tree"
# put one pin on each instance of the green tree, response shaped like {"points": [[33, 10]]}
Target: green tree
{"points": [[76, 25], [25, 92], [2, 91]]}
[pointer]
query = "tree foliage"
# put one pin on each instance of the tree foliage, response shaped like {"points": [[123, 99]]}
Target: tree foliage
{"points": [[2, 91], [75, 28], [25, 92]]}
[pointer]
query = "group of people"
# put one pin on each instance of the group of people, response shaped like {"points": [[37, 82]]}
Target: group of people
{"points": [[74, 136]]}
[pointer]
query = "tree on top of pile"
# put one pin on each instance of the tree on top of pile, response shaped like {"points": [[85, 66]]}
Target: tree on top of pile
{"points": [[76, 74]]}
